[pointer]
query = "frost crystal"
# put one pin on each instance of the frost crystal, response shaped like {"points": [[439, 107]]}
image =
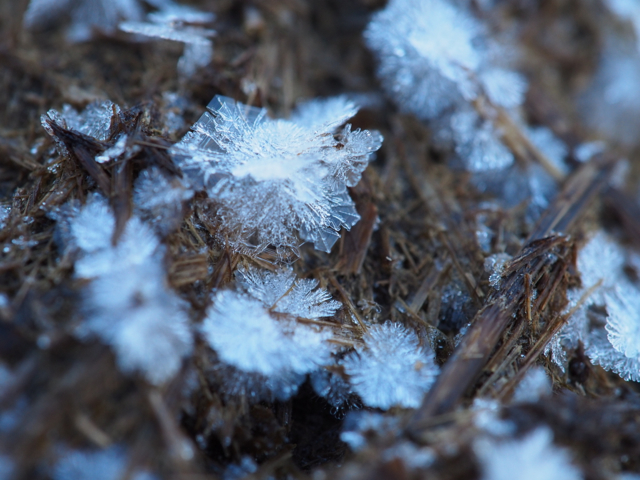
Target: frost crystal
{"points": [[173, 22], [281, 292], [257, 333], [271, 178], [392, 369], [159, 199], [611, 103], [128, 305], [94, 121], [86, 15], [533, 457], [435, 59]]}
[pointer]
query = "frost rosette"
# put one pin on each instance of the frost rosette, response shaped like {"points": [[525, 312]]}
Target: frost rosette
{"points": [[275, 181]]}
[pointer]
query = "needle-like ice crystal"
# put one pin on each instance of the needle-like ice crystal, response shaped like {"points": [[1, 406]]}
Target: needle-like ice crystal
{"points": [[272, 180]]}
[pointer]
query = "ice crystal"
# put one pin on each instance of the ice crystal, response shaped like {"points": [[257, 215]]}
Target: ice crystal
{"points": [[391, 369], [159, 199], [256, 331], [282, 292], [611, 103], [86, 15], [94, 120], [128, 304], [272, 178], [175, 22], [533, 457], [435, 59]]}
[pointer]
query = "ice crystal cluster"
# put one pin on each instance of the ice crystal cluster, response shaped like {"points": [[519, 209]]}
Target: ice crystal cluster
{"points": [[178, 23], [94, 121], [264, 330], [128, 304], [256, 330], [533, 457], [391, 369], [437, 61], [611, 340], [272, 180]]}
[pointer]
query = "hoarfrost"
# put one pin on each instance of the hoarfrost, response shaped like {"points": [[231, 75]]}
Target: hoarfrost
{"points": [[533, 457], [426, 49], [392, 369], [128, 304], [159, 199], [435, 60], [332, 387], [601, 263], [358, 426], [494, 265], [272, 178], [94, 121], [281, 292], [257, 333], [108, 464]]}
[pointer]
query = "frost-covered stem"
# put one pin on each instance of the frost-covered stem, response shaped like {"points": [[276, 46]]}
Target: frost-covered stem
{"points": [[513, 137], [508, 388], [467, 362]]}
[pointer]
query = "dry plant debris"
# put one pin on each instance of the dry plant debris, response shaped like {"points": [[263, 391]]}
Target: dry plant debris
{"points": [[289, 239]]}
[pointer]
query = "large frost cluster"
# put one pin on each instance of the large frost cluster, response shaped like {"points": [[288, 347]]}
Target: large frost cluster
{"points": [[128, 304], [608, 321], [437, 61], [272, 180]]}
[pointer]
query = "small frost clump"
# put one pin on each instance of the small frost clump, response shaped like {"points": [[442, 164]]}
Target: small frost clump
{"points": [[435, 59], [257, 332], [179, 23], [128, 304], [271, 180], [533, 457], [391, 369], [94, 121]]}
